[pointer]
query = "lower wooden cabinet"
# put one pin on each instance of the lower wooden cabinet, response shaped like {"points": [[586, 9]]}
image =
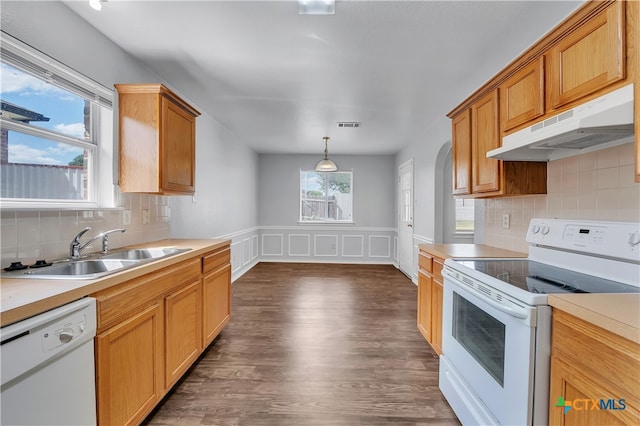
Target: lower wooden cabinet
{"points": [[430, 299], [183, 330], [129, 368], [150, 331], [594, 372], [216, 295]]}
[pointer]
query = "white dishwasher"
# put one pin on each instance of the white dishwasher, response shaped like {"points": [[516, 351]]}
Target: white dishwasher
{"points": [[47, 367]]}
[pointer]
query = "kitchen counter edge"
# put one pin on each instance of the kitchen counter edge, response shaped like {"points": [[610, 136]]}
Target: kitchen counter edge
{"points": [[618, 313], [24, 298], [467, 250]]}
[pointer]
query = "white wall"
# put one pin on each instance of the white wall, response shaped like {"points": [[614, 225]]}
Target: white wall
{"points": [[424, 153], [373, 188], [225, 170], [370, 239]]}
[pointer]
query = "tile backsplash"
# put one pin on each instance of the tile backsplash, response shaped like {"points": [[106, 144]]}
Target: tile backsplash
{"points": [[594, 186], [30, 235]]}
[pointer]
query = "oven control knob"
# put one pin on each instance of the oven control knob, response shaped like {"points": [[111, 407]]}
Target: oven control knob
{"points": [[545, 229], [535, 229], [634, 239]]}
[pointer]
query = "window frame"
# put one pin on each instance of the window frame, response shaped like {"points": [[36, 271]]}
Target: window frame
{"points": [[325, 221], [100, 174], [456, 212]]}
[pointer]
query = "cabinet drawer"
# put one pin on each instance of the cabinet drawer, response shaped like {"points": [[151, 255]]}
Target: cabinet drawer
{"points": [[425, 262], [214, 260], [437, 269]]}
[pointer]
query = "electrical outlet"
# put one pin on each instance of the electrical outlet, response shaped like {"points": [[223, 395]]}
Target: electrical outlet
{"points": [[146, 216], [126, 217], [505, 220]]}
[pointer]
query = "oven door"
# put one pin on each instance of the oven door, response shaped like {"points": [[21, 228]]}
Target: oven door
{"points": [[486, 370]]}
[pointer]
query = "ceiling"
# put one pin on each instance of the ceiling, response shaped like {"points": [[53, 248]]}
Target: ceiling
{"points": [[281, 81]]}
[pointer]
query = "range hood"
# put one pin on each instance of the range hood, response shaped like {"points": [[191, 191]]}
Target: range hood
{"points": [[600, 123]]}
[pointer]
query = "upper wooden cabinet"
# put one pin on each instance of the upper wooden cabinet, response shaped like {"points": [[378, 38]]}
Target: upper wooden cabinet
{"points": [[461, 153], [475, 132], [590, 58], [594, 51], [157, 140], [485, 136], [522, 96]]}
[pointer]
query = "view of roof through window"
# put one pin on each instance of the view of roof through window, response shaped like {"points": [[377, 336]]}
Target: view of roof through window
{"points": [[35, 102]]}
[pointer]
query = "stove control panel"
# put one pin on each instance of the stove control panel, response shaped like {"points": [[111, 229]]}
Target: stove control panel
{"points": [[611, 239]]}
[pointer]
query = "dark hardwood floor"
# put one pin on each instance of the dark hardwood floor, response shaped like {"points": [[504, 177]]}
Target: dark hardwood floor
{"points": [[312, 344]]}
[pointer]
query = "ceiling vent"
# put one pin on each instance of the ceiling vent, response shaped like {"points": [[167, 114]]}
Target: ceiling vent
{"points": [[348, 124]]}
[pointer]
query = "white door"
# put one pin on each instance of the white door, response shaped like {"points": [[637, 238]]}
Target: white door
{"points": [[405, 218]]}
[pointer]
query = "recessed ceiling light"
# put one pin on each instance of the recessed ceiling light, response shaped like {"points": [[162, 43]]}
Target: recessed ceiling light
{"points": [[317, 7]]}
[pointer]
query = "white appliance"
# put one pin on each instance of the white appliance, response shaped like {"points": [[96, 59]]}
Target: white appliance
{"points": [[494, 367], [600, 123], [47, 367]]}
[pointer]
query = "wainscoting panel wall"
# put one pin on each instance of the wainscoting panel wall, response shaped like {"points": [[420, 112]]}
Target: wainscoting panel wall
{"points": [[244, 251], [314, 244], [328, 244], [353, 246]]}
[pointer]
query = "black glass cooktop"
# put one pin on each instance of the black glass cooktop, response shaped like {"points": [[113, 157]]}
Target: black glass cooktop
{"points": [[538, 277]]}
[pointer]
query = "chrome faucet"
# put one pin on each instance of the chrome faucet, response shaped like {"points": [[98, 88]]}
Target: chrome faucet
{"points": [[75, 247]]}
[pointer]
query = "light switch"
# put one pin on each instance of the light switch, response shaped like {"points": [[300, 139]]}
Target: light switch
{"points": [[126, 217]]}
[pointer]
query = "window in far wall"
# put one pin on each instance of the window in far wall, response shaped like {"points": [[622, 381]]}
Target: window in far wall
{"points": [[464, 215], [326, 197]]}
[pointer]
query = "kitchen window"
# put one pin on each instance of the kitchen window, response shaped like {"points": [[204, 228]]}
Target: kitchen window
{"points": [[326, 197], [52, 122], [464, 215]]}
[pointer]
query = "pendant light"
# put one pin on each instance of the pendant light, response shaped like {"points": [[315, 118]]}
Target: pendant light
{"points": [[326, 165]]}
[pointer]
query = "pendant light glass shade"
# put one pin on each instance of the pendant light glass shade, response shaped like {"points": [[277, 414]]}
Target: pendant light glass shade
{"points": [[326, 165]]}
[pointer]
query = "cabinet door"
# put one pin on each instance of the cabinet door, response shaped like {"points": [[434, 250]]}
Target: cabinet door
{"points": [[424, 305], [485, 137], [183, 330], [177, 149], [461, 153], [436, 316], [589, 59], [574, 387], [216, 301], [522, 96], [129, 360], [436, 306]]}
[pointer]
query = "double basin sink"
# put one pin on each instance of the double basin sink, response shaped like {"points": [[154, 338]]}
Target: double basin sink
{"points": [[96, 267]]}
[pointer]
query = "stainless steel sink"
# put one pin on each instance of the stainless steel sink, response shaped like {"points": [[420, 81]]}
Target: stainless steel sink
{"points": [[96, 267], [144, 254], [79, 269]]}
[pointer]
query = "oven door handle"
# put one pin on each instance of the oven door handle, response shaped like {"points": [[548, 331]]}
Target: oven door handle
{"points": [[502, 308], [507, 310]]}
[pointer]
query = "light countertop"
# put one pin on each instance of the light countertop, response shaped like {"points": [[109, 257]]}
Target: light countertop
{"points": [[22, 298], [468, 250], [617, 313]]}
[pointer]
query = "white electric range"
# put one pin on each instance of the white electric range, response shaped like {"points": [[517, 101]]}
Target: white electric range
{"points": [[494, 368]]}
